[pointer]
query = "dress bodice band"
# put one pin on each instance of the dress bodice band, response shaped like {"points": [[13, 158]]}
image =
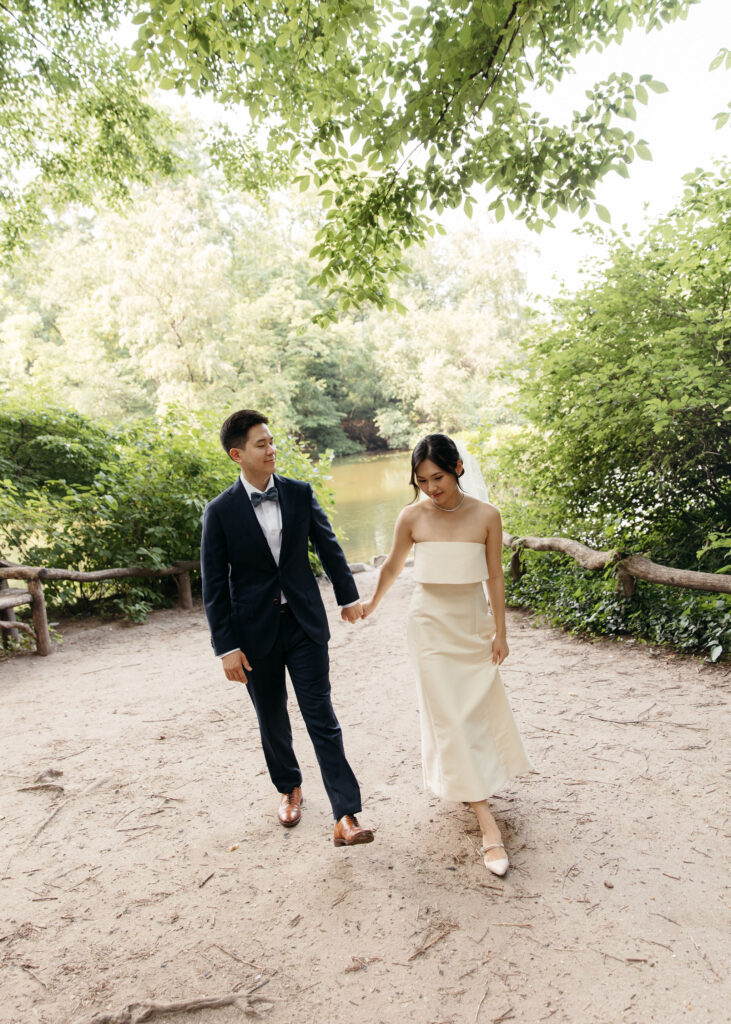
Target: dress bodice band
{"points": [[457, 561]]}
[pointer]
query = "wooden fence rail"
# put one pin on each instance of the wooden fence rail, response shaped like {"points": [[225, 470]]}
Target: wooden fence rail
{"points": [[11, 597], [627, 568]]}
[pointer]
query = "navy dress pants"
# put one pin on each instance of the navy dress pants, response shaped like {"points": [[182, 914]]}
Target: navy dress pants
{"points": [[308, 665]]}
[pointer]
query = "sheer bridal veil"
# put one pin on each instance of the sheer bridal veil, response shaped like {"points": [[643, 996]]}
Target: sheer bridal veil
{"points": [[473, 482]]}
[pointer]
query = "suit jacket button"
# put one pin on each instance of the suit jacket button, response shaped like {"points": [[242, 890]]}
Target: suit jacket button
{"points": [[276, 600]]}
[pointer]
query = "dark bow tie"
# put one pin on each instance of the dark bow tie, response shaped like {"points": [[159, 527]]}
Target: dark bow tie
{"points": [[257, 497]]}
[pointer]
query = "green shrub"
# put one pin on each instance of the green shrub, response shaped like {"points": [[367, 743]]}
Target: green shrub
{"points": [[142, 507], [587, 602], [44, 444]]}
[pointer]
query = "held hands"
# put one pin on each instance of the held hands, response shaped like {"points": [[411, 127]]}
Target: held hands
{"points": [[353, 613], [500, 649], [234, 665], [368, 608]]}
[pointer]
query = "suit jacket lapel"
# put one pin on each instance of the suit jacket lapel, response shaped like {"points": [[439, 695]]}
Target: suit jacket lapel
{"points": [[250, 521], [286, 508]]}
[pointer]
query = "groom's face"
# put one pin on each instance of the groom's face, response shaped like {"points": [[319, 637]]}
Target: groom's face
{"points": [[257, 457]]}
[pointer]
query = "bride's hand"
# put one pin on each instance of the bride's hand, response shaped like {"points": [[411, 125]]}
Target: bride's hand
{"points": [[368, 608], [500, 649]]}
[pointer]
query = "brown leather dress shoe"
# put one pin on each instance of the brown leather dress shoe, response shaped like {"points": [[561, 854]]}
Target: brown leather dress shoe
{"points": [[349, 833], [290, 808]]}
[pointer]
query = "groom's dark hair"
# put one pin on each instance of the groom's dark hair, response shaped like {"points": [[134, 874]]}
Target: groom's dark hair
{"points": [[236, 428], [439, 449]]}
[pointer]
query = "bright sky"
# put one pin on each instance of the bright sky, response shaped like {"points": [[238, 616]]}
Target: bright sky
{"points": [[678, 125]]}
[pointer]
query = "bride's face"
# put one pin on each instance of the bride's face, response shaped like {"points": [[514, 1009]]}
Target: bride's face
{"points": [[436, 482]]}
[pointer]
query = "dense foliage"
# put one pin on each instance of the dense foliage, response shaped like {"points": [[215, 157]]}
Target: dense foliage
{"points": [[48, 447], [628, 388], [76, 124], [200, 298], [588, 603], [389, 109], [139, 502]]}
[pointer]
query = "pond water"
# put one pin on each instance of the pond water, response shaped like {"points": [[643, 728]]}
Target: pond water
{"points": [[370, 491]]}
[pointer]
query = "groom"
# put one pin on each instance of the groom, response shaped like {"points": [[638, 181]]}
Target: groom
{"points": [[265, 614]]}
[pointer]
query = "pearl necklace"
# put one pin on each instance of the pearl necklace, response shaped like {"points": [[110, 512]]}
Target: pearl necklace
{"points": [[443, 509]]}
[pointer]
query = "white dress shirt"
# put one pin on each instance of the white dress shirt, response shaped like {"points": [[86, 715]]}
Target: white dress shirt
{"points": [[269, 515]]}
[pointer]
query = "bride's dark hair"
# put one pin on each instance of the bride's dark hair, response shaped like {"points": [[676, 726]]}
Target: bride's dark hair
{"points": [[439, 449]]}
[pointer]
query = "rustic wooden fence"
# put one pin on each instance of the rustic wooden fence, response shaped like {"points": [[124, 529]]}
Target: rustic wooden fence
{"points": [[32, 594], [627, 569]]}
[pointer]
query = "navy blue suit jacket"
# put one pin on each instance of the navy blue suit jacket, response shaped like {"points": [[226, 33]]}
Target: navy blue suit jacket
{"points": [[241, 581]]}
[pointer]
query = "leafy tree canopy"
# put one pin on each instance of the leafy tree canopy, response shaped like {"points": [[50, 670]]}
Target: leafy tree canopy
{"points": [[391, 110], [628, 387], [197, 297], [75, 123]]}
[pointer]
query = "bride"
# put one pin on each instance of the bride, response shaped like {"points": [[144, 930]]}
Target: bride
{"points": [[470, 743]]}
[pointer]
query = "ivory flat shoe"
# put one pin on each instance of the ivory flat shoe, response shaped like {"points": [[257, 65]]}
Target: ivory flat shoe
{"points": [[498, 867]]}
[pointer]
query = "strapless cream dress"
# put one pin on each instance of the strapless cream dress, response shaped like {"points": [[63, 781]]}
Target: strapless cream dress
{"points": [[470, 744]]}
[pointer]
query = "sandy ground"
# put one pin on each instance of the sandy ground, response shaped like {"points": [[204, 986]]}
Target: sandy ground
{"points": [[163, 874]]}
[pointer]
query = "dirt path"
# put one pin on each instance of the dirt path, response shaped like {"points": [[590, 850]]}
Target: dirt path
{"points": [[163, 874]]}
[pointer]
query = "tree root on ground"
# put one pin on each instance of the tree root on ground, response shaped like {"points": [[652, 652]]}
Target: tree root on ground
{"points": [[136, 1013]]}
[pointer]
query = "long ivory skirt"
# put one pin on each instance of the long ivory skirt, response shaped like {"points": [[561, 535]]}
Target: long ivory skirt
{"points": [[470, 744]]}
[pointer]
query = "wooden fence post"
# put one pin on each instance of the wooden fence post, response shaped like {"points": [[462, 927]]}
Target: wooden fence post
{"points": [[8, 634], [626, 583], [44, 646], [185, 594], [516, 565]]}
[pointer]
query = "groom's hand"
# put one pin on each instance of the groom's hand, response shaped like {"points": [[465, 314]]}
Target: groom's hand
{"points": [[234, 665], [352, 613]]}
